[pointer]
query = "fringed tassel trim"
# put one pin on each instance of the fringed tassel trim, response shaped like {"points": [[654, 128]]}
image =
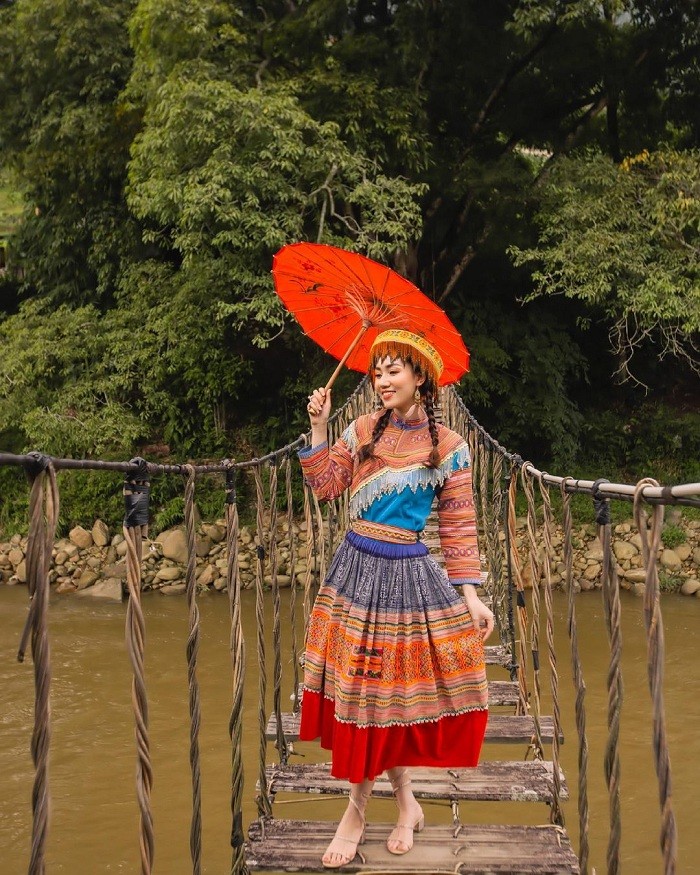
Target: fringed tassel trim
{"points": [[414, 477]]}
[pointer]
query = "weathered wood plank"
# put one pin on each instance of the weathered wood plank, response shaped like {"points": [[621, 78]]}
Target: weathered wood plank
{"points": [[295, 846], [518, 781], [501, 728], [500, 693]]}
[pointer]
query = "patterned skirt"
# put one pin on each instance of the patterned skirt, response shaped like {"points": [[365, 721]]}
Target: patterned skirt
{"points": [[394, 670]]}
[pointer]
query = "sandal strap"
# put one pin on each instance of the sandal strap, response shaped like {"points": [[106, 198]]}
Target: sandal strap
{"points": [[403, 780]]}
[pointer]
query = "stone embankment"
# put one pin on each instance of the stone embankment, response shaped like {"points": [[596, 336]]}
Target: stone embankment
{"points": [[91, 562]]}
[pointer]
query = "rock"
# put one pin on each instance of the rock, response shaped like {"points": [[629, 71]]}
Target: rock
{"points": [[696, 556], [115, 570], [220, 584], [15, 556], [636, 575], [683, 551], [94, 562], [670, 559], [214, 533], [282, 580], [169, 572], [173, 544], [592, 571], [691, 586], [70, 550], [203, 546], [80, 537], [636, 539], [624, 550], [117, 539], [104, 589], [100, 533], [65, 586], [622, 529], [638, 589], [586, 585], [61, 557], [86, 579], [173, 588], [206, 576], [21, 572], [594, 550]]}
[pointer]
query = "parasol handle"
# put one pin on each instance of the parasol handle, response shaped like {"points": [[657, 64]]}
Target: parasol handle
{"points": [[365, 325]]}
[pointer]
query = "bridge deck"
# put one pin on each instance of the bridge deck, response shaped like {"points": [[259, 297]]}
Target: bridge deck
{"points": [[501, 728], [297, 845], [490, 781]]}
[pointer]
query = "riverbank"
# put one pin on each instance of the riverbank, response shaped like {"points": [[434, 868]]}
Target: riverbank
{"points": [[91, 561]]}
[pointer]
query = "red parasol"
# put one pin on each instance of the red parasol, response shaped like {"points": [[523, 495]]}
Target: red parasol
{"points": [[342, 300]]}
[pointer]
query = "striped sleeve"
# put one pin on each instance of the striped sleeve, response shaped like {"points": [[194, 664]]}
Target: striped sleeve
{"points": [[328, 471], [457, 529]]}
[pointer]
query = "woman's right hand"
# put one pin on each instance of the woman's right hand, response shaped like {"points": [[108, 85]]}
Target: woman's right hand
{"points": [[319, 406]]}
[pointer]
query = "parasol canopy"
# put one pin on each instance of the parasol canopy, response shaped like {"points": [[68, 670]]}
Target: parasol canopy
{"points": [[343, 300]]}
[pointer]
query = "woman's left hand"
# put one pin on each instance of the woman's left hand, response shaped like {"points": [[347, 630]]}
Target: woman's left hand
{"points": [[481, 615]]}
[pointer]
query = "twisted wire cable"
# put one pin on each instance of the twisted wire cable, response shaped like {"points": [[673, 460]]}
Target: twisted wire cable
{"points": [[556, 813], [653, 622], [237, 648], [528, 488], [579, 683], [521, 612], [276, 619], [135, 646], [611, 602], [293, 585], [495, 550], [263, 798], [192, 682], [43, 516]]}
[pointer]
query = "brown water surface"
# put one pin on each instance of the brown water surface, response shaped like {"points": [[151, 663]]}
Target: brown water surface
{"points": [[94, 824]]}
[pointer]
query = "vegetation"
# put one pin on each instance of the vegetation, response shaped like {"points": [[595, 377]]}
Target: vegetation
{"points": [[533, 166]]}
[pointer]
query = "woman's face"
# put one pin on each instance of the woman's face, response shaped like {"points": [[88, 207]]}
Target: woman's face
{"points": [[396, 382]]}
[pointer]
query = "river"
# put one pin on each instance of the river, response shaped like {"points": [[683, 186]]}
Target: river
{"points": [[94, 823]]}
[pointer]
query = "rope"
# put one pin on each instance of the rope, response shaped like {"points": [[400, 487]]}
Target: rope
{"points": [[276, 621], [136, 490], [237, 646], [528, 488], [505, 494], [193, 685], [308, 524], [556, 813], [655, 670], [43, 516], [611, 602], [521, 613], [263, 798], [495, 554], [579, 685], [293, 585]]}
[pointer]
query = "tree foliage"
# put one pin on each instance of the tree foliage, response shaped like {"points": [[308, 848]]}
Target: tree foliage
{"points": [[166, 148], [625, 239]]}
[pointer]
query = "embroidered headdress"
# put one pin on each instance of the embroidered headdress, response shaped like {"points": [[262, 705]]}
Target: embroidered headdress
{"points": [[398, 343]]}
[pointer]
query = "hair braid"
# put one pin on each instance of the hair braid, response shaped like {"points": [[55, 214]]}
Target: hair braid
{"points": [[367, 450], [434, 457]]}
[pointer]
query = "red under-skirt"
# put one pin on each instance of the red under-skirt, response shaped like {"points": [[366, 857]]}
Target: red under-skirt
{"points": [[364, 752], [394, 670]]}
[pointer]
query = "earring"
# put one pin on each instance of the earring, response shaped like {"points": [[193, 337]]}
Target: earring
{"points": [[416, 396]]}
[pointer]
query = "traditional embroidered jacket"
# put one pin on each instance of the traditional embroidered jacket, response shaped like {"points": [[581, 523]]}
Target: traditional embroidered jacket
{"points": [[396, 488]]}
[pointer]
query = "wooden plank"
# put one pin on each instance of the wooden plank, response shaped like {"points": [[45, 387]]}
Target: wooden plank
{"points": [[518, 781], [296, 846], [500, 693], [501, 728]]}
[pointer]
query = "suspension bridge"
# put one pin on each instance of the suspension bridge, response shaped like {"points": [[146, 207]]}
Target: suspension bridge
{"points": [[524, 620]]}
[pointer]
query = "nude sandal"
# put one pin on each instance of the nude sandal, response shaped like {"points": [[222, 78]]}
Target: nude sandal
{"points": [[403, 780], [352, 844]]}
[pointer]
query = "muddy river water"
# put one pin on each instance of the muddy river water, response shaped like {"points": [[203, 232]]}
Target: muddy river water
{"points": [[94, 821]]}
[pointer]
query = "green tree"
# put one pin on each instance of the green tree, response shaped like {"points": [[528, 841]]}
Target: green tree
{"points": [[625, 240]]}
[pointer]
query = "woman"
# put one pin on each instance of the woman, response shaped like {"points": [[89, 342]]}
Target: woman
{"points": [[394, 670]]}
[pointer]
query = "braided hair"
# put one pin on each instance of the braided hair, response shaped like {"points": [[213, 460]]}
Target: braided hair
{"points": [[426, 390]]}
